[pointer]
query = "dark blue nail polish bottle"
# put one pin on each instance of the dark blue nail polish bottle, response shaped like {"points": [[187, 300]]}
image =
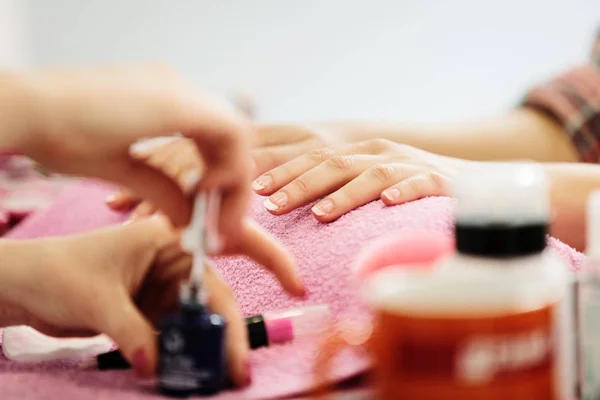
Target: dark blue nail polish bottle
{"points": [[192, 348]]}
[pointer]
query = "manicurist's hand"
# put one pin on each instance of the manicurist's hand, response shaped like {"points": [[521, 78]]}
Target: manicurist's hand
{"points": [[83, 121], [120, 281]]}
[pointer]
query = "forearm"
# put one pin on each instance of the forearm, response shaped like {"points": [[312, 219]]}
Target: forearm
{"points": [[15, 115], [16, 257], [520, 134], [571, 187]]}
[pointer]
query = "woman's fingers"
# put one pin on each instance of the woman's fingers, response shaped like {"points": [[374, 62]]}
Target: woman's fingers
{"points": [[176, 157], [145, 209], [416, 187], [268, 252], [268, 158], [123, 200], [362, 190], [285, 173], [222, 301], [131, 331], [317, 182], [158, 188]]}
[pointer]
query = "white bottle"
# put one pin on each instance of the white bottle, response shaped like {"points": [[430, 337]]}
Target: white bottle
{"points": [[501, 220], [493, 320], [588, 306]]}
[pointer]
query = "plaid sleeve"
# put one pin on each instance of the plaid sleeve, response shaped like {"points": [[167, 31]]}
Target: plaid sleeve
{"points": [[573, 100]]}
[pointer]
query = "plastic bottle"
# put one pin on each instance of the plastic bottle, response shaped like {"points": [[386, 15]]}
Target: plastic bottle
{"points": [[495, 320]]}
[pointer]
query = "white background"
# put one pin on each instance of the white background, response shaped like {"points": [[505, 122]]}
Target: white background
{"points": [[405, 60]]}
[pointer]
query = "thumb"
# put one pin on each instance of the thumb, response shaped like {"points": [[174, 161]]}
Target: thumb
{"points": [[132, 332], [154, 186]]}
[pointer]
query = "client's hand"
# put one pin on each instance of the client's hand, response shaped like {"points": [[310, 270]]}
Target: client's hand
{"points": [[354, 174], [278, 144], [120, 281], [179, 159]]}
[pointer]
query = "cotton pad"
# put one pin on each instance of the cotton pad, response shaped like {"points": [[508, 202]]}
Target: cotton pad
{"points": [[22, 343]]}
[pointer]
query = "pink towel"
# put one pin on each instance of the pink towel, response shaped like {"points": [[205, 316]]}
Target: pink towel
{"points": [[325, 254]]}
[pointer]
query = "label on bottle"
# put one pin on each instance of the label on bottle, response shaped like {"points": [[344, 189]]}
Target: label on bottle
{"points": [[511, 356], [178, 368]]}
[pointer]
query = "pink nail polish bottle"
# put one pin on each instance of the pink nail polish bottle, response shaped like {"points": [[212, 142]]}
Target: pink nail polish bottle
{"points": [[285, 326]]}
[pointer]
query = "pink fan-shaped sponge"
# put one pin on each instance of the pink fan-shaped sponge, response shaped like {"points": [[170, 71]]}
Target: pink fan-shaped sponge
{"points": [[403, 249]]}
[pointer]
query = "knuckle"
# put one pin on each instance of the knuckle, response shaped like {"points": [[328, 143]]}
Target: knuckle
{"points": [[301, 185], [272, 158], [348, 195], [437, 179], [382, 172], [319, 155], [341, 163], [414, 185], [378, 145]]}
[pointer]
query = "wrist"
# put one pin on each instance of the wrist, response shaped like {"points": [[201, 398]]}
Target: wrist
{"points": [[16, 112]]}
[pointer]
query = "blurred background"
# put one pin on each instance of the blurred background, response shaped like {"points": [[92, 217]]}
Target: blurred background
{"points": [[405, 60]]}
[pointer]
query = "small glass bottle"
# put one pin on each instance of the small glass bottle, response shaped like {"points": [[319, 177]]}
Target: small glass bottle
{"points": [[192, 357]]}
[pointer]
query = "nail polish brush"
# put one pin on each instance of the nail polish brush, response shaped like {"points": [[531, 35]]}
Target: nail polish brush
{"points": [[192, 341]]}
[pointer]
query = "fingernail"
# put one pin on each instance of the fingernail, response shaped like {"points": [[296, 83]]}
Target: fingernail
{"points": [[143, 146], [391, 194], [302, 290], [276, 201], [190, 181], [248, 373], [262, 182], [111, 198], [140, 362], [323, 207]]}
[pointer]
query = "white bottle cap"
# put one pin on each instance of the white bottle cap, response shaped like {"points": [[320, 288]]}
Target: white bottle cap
{"points": [[593, 225], [513, 193]]}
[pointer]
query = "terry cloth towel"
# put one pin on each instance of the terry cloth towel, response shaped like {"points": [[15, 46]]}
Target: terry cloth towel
{"points": [[325, 254]]}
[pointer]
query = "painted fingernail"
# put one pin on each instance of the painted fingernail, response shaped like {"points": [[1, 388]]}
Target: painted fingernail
{"points": [[302, 292], [248, 369], [262, 182], [276, 201], [391, 194], [111, 198], [190, 180], [323, 207], [140, 362]]}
